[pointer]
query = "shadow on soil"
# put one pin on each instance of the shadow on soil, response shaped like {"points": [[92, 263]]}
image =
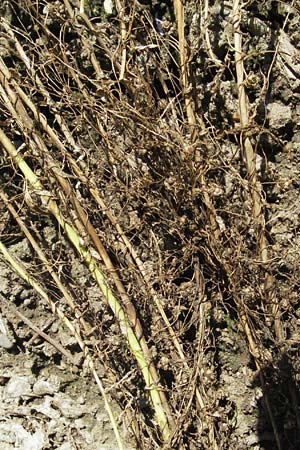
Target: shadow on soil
{"points": [[280, 396]]}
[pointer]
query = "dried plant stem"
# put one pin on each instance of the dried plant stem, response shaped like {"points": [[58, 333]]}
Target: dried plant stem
{"points": [[250, 158], [184, 66], [121, 10], [42, 334], [258, 215], [248, 151], [207, 38]]}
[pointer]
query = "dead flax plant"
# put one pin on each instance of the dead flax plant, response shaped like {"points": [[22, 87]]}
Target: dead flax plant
{"points": [[82, 222], [185, 72], [67, 135], [139, 263], [146, 285], [22, 118], [249, 157], [195, 122], [125, 324], [39, 142]]}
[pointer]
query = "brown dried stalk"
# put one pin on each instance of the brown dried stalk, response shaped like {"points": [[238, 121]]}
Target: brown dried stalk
{"points": [[41, 333], [185, 75], [249, 155], [258, 212]]}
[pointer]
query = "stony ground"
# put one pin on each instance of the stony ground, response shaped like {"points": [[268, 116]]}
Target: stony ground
{"points": [[46, 403]]}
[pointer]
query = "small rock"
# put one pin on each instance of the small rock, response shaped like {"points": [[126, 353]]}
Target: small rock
{"points": [[17, 386], [46, 408], [21, 438], [5, 342], [296, 138], [87, 421], [109, 7], [279, 115], [42, 387], [66, 446], [69, 408], [6, 435]]}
